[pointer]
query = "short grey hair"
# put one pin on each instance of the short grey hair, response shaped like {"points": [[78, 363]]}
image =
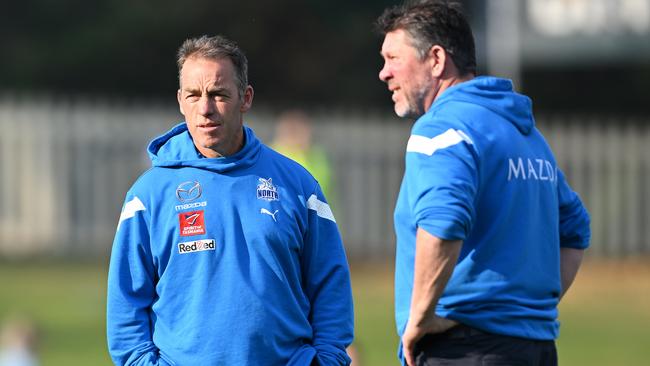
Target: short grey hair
{"points": [[215, 48]]}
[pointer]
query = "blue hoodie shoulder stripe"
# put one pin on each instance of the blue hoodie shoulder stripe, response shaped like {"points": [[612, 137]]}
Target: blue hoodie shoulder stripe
{"points": [[130, 208], [428, 146], [322, 209]]}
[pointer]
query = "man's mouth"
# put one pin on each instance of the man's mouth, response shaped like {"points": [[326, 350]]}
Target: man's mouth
{"points": [[394, 93], [209, 126]]}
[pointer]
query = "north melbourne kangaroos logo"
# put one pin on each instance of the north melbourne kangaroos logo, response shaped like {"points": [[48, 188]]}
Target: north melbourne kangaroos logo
{"points": [[267, 191]]}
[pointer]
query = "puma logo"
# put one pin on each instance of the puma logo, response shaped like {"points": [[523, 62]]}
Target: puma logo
{"points": [[267, 212]]}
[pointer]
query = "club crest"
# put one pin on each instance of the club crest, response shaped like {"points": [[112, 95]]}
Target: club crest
{"points": [[267, 191]]}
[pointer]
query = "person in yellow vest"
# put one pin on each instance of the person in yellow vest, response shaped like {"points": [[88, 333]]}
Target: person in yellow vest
{"points": [[293, 138]]}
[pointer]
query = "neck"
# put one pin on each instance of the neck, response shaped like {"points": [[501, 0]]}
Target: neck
{"points": [[447, 83]]}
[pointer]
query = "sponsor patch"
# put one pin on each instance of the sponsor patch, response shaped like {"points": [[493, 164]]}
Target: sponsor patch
{"points": [[196, 246], [188, 191], [192, 223], [191, 205]]}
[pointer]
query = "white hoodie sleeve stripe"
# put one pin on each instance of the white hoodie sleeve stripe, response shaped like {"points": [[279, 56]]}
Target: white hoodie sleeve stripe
{"points": [[129, 210], [428, 146], [322, 209]]}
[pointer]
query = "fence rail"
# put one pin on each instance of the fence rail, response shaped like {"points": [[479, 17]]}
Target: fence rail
{"points": [[66, 165]]}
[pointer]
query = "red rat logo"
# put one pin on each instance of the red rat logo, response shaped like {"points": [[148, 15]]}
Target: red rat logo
{"points": [[192, 223]]}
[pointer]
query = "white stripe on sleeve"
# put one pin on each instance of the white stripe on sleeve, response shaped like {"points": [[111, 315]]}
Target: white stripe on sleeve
{"points": [[428, 146], [129, 210], [322, 209]]}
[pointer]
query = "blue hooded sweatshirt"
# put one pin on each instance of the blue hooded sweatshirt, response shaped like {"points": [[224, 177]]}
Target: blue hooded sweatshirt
{"points": [[227, 261], [478, 170]]}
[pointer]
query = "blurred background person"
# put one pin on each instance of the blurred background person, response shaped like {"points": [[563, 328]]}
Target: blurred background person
{"points": [[294, 138], [18, 343]]}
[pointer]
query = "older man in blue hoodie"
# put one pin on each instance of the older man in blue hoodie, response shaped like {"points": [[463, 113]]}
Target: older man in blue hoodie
{"points": [[226, 252], [489, 234]]}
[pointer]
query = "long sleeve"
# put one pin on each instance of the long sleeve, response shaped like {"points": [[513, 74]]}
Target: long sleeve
{"points": [[441, 178], [574, 219], [131, 290], [326, 280]]}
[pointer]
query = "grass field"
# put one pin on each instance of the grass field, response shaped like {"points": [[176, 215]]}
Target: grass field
{"points": [[605, 317]]}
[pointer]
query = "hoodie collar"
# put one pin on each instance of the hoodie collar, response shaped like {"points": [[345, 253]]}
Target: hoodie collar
{"points": [[495, 94], [176, 148]]}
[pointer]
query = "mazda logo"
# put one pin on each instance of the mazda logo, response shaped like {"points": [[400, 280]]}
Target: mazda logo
{"points": [[188, 191]]}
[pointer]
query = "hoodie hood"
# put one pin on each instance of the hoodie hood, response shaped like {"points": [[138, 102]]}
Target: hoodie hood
{"points": [[176, 148], [495, 94]]}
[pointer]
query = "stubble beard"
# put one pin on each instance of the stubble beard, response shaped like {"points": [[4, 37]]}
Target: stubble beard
{"points": [[412, 105], [411, 108]]}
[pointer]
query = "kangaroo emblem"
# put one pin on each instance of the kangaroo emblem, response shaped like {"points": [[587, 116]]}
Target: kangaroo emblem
{"points": [[265, 211]]}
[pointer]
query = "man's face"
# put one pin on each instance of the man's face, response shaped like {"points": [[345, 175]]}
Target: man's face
{"points": [[209, 99], [408, 77]]}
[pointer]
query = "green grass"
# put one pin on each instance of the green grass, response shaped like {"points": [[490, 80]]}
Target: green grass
{"points": [[375, 333], [605, 316], [66, 303]]}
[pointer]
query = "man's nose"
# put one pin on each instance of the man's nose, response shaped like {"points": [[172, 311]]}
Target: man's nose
{"points": [[206, 106], [384, 73]]}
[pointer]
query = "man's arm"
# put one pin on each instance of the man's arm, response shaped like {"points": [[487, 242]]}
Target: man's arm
{"points": [[575, 232], [435, 260], [326, 280], [131, 290], [570, 260]]}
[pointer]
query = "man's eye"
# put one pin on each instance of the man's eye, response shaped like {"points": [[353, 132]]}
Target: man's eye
{"points": [[218, 96], [192, 97]]}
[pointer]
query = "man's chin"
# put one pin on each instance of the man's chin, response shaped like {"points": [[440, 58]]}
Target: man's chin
{"points": [[404, 110], [405, 113]]}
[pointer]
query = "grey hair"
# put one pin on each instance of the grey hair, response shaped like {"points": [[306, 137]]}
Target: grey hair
{"points": [[214, 48]]}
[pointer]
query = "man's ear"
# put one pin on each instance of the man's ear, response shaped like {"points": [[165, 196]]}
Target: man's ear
{"points": [[178, 98], [247, 100], [438, 60]]}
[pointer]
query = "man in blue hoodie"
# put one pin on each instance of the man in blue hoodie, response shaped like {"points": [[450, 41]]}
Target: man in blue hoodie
{"points": [[226, 252], [489, 234]]}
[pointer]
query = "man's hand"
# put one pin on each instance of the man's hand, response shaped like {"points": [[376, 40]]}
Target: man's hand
{"points": [[435, 260], [414, 332]]}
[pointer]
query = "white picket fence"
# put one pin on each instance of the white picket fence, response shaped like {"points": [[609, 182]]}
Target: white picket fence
{"points": [[65, 167]]}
